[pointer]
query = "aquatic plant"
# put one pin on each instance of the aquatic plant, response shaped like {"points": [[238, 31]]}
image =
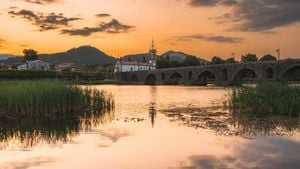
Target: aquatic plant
{"points": [[266, 98], [49, 98]]}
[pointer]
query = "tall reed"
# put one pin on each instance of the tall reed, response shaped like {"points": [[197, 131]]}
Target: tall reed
{"points": [[266, 98], [48, 98]]}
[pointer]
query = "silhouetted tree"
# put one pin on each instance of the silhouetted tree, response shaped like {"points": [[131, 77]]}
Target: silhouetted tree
{"points": [[230, 60], [175, 63], [217, 60], [163, 63], [249, 58], [267, 57], [30, 54], [190, 61]]}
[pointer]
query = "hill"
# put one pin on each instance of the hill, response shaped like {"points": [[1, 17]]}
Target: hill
{"points": [[6, 56], [178, 56], [143, 57], [84, 55], [172, 55]]}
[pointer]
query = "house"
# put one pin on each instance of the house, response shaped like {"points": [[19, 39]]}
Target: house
{"points": [[69, 67], [129, 66], [35, 65]]}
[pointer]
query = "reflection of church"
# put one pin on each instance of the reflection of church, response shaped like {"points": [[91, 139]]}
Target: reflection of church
{"points": [[133, 66], [152, 112]]}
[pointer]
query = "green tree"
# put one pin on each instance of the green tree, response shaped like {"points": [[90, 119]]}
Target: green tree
{"points": [[163, 63], [30, 54], [249, 58], [267, 57], [190, 61], [174, 63], [230, 60], [217, 60]]}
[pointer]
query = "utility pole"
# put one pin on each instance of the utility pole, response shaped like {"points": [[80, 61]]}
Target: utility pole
{"points": [[278, 54]]}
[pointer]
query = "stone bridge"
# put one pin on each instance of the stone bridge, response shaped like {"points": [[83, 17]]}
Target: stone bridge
{"points": [[222, 74]]}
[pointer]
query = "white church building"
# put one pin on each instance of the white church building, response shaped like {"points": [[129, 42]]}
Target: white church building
{"points": [[127, 66]]}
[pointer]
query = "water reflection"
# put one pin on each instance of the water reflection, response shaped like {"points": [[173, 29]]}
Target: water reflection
{"points": [[224, 123], [25, 133], [152, 105], [272, 153], [31, 162], [131, 142]]}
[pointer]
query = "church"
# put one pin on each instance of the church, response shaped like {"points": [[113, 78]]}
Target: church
{"points": [[134, 66]]}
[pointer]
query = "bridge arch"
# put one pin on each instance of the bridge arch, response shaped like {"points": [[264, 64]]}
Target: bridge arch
{"points": [[269, 73], [151, 79], [224, 74], [244, 74], [205, 77], [134, 78], [175, 79], [292, 73]]}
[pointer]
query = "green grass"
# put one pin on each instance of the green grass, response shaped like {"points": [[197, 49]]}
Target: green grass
{"points": [[266, 99], [47, 98]]}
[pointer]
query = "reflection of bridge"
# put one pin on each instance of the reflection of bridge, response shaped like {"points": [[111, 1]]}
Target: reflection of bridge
{"points": [[223, 74]]}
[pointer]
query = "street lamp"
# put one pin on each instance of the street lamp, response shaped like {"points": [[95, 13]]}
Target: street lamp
{"points": [[278, 53]]}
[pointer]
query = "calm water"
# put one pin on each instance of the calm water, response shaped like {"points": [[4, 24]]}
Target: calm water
{"points": [[165, 127]]}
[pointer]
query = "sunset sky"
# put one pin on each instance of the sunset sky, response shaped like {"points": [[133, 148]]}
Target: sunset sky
{"points": [[204, 28]]}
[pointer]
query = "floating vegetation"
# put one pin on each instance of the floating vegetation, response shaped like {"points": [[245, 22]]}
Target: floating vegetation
{"points": [[49, 98], [221, 121], [266, 99]]}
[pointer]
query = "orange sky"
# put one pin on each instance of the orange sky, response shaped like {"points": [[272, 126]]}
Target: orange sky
{"points": [[174, 25]]}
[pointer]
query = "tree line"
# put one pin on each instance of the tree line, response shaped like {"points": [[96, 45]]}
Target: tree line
{"points": [[244, 58], [169, 63]]}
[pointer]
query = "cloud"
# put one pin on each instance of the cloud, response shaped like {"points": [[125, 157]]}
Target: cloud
{"points": [[102, 15], [41, 2], [212, 38], [212, 2], [2, 42], [256, 15], [44, 21], [113, 27]]}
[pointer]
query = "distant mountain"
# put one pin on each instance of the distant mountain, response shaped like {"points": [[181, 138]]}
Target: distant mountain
{"points": [[6, 56], [84, 55], [172, 55], [143, 57], [177, 56]]}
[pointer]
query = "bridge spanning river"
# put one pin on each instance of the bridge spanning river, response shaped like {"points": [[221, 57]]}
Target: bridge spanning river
{"points": [[221, 74]]}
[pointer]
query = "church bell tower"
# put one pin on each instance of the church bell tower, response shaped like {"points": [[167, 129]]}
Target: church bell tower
{"points": [[152, 56]]}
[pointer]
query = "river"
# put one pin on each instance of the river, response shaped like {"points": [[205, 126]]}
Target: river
{"points": [[154, 127]]}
